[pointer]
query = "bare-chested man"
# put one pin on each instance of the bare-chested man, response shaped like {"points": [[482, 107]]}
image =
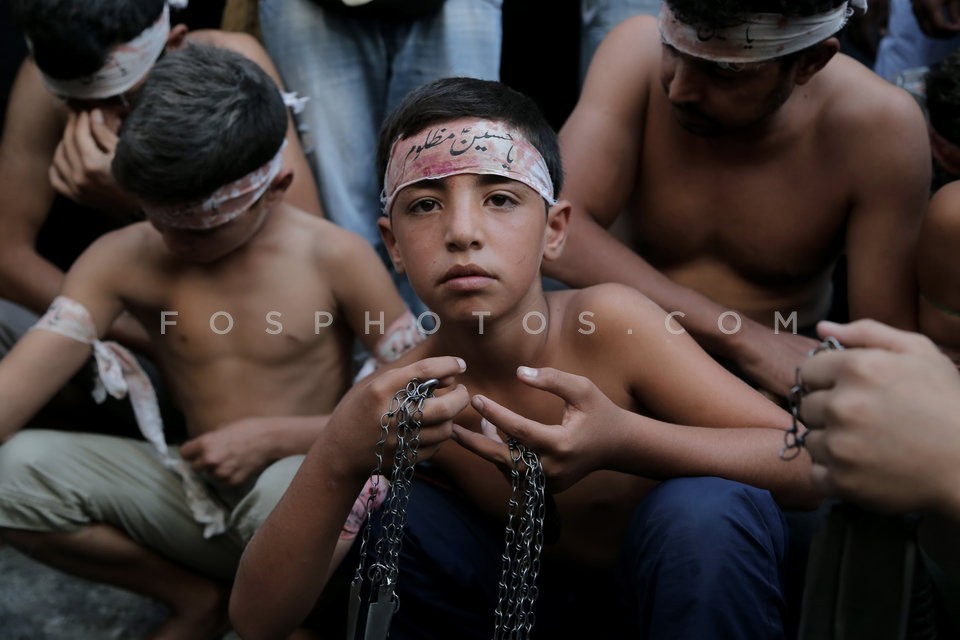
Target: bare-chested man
{"points": [[749, 155]]}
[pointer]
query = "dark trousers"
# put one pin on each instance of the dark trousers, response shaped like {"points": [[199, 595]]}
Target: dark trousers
{"points": [[702, 560]]}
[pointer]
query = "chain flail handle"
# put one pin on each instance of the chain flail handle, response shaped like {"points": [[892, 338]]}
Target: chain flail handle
{"points": [[405, 413], [793, 440]]}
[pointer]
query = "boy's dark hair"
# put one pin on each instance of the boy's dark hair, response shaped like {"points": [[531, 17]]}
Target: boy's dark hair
{"points": [[710, 15], [943, 97], [205, 117], [453, 98], [71, 38]]}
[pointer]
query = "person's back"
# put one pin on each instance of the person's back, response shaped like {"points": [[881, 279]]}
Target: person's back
{"points": [[743, 178]]}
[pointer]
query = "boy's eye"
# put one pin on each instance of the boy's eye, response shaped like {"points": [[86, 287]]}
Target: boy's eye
{"points": [[501, 200], [425, 205]]}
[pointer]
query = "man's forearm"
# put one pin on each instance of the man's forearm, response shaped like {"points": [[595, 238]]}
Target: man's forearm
{"points": [[28, 279], [750, 455]]}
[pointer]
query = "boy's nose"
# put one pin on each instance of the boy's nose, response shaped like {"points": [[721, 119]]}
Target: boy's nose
{"points": [[464, 227]]}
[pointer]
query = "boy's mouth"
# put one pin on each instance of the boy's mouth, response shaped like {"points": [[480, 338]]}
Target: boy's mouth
{"points": [[465, 272]]}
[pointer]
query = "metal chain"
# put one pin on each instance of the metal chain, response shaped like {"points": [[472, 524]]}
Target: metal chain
{"points": [[792, 439], [406, 413], [523, 544]]}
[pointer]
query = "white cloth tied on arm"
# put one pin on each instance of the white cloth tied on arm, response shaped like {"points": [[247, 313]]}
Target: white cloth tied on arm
{"points": [[119, 374]]}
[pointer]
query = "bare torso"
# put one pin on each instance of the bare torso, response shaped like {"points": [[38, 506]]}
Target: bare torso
{"points": [[754, 219], [761, 230], [245, 341]]}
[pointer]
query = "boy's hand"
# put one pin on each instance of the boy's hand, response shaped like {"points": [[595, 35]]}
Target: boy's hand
{"points": [[354, 427], [567, 451], [883, 419], [233, 453], [81, 164]]}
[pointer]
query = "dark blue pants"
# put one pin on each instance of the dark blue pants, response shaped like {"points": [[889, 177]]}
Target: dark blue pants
{"points": [[702, 560]]}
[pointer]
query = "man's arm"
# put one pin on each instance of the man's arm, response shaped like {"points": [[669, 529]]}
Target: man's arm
{"points": [[303, 191], [890, 165], [602, 143], [938, 270], [937, 18], [31, 133]]}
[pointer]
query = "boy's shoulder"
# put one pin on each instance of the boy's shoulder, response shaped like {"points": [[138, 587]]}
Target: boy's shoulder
{"points": [[609, 306]]}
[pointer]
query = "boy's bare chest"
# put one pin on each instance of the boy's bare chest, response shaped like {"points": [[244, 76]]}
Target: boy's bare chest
{"points": [[261, 314]]}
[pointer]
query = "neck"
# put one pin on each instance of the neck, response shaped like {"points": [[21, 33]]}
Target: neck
{"points": [[506, 342]]}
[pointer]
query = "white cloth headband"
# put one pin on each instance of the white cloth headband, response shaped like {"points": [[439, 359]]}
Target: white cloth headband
{"points": [[760, 37], [465, 146], [126, 65], [223, 205]]}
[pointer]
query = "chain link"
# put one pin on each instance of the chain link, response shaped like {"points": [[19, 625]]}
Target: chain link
{"points": [[792, 438], [523, 544], [405, 413]]}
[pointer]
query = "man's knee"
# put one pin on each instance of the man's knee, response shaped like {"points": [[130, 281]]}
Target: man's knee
{"points": [[707, 509], [254, 508], [706, 553], [28, 453]]}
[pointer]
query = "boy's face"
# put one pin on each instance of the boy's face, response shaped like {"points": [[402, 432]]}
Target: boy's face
{"points": [[472, 243], [209, 245]]}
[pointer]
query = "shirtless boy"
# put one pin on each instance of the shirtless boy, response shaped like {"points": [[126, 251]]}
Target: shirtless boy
{"points": [[745, 164], [60, 133], [251, 306], [471, 175]]}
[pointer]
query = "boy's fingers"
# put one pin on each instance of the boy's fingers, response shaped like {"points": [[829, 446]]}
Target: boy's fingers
{"points": [[480, 445], [444, 368], [513, 424], [568, 386], [68, 143], [445, 407]]}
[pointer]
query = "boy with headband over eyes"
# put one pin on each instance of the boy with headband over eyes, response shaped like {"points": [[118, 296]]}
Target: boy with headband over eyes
{"points": [[57, 195], [746, 156], [472, 172], [251, 305]]}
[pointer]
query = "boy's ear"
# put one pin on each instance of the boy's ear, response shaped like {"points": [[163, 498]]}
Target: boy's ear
{"points": [[558, 219], [176, 37], [812, 61], [278, 187], [390, 242]]}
